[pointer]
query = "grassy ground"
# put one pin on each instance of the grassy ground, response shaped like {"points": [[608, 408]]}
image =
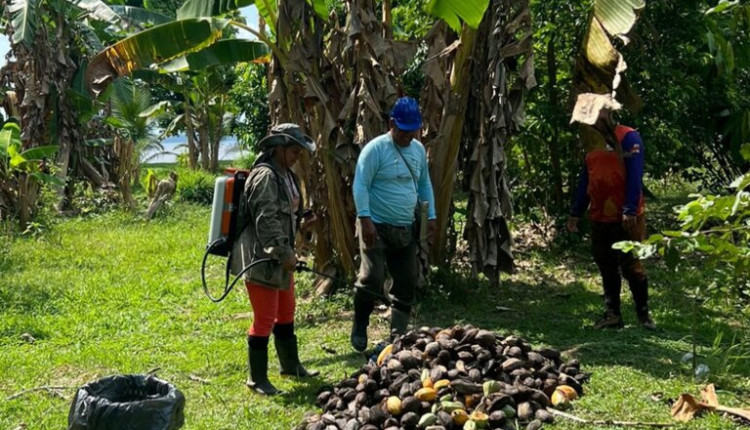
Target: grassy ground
{"points": [[111, 294]]}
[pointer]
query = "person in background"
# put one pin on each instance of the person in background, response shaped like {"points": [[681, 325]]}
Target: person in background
{"points": [[271, 212], [390, 179], [610, 186]]}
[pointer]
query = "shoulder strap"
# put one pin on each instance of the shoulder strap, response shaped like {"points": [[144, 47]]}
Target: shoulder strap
{"points": [[242, 222], [411, 172]]}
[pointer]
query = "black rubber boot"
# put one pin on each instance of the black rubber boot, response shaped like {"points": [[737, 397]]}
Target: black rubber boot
{"points": [[363, 307], [289, 358], [399, 322], [257, 360], [639, 288]]}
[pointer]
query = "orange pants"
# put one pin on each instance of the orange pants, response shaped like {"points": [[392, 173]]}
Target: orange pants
{"points": [[270, 306]]}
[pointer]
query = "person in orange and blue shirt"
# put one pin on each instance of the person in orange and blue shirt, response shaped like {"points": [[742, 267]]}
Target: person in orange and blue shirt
{"points": [[611, 187]]}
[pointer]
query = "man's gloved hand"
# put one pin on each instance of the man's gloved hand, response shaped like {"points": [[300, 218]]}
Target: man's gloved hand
{"points": [[368, 231], [628, 221], [431, 231], [572, 224], [289, 264]]}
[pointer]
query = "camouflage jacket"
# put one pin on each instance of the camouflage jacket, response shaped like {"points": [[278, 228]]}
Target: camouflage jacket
{"points": [[269, 229]]}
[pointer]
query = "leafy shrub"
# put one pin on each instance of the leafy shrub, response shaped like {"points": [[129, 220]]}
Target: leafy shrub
{"points": [[89, 201], [196, 186], [715, 230], [246, 160], [713, 239], [250, 95]]}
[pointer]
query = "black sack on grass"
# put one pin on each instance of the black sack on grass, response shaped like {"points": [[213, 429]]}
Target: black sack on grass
{"points": [[127, 402]]}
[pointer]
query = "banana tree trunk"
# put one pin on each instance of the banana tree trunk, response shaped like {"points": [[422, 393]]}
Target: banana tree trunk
{"points": [[203, 139], [27, 195], [124, 148], [216, 134], [387, 20], [444, 156], [41, 75], [505, 52], [63, 163], [190, 133]]}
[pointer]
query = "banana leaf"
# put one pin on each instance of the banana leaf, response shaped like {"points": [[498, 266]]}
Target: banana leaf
{"points": [[25, 17], [94, 143], [147, 48], [600, 67], [722, 6], [320, 8], [137, 15], [23, 14], [45, 178], [453, 11], [617, 16], [10, 139], [34, 154], [205, 8], [269, 11], [599, 49], [227, 51], [98, 10], [156, 110]]}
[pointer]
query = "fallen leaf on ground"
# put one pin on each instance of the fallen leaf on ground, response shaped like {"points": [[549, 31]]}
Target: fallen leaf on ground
{"points": [[708, 396], [685, 408]]}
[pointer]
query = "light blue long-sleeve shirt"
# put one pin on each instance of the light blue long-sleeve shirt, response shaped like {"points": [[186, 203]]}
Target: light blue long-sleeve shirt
{"points": [[383, 186]]}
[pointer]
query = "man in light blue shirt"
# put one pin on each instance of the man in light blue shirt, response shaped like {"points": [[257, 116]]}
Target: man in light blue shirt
{"points": [[391, 178]]}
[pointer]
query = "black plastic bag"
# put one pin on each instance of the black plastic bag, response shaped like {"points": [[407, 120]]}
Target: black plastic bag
{"points": [[127, 402]]}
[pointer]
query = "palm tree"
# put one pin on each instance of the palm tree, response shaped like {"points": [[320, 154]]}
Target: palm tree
{"points": [[133, 118]]}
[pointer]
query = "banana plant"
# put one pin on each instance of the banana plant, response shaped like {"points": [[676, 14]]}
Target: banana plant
{"points": [[600, 66], [453, 12], [192, 42], [17, 160], [22, 172], [50, 42], [26, 16], [133, 117]]}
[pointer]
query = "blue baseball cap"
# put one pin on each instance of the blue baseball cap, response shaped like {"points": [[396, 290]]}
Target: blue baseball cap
{"points": [[405, 114]]}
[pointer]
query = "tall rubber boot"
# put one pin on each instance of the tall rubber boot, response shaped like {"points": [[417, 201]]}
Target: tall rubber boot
{"points": [[257, 360], [289, 358], [639, 288], [363, 307], [399, 322]]}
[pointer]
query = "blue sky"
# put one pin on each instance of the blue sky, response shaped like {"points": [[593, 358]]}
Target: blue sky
{"points": [[250, 13]]}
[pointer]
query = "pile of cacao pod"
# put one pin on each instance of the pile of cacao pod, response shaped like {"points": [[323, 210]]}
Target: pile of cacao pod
{"points": [[462, 378]]}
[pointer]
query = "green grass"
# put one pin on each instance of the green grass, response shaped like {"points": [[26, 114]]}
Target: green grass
{"points": [[112, 294]]}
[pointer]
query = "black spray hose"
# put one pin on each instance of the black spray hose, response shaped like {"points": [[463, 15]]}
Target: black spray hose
{"points": [[302, 267], [227, 286]]}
